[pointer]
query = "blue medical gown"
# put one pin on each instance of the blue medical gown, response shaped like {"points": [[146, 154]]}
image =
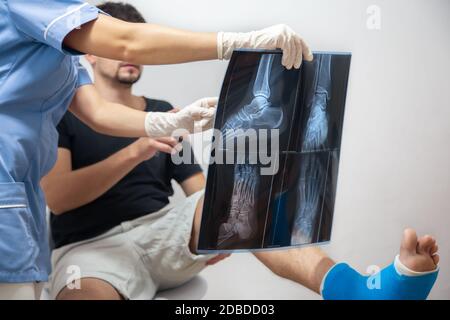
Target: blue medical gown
{"points": [[38, 79]]}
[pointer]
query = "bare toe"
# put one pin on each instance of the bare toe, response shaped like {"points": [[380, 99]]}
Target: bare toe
{"points": [[425, 244], [436, 259], [409, 241], [434, 249]]}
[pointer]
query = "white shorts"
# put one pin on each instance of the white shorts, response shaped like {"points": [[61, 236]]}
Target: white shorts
{"points": [[138, 257]]}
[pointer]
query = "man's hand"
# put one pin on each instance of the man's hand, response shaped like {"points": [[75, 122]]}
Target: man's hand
{"points": [[146, 148], [276, 37]]}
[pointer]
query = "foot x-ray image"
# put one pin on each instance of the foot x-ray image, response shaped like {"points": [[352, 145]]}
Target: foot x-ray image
{"points": [[292, 119]]}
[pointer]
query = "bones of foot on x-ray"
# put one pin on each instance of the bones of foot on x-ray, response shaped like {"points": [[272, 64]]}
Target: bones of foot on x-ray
{"points": [[242, 216], [312, 172], [259, 114]]}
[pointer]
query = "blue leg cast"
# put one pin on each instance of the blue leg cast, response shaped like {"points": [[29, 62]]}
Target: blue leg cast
{"points": [[342, 282]]}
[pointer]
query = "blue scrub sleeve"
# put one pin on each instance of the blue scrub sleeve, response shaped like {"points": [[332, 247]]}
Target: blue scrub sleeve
{"points": [[83, 75], [51, 21]]}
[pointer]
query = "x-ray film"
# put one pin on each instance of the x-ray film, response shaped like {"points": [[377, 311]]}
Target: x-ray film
{"points": [[275, 153]]}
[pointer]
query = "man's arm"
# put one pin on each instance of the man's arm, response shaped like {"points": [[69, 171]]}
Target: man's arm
{"points": [[141, 43], [193, 184], [66, 189]]}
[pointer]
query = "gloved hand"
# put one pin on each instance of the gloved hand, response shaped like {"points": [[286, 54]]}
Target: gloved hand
{"points": [[276, 37], [163, 124]]}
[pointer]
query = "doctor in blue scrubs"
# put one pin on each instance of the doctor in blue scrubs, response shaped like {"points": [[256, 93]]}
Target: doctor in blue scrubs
{"points": [[40, 78]]}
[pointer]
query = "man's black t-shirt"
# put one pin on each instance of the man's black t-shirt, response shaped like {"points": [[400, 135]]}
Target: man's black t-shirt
{"points": [[144, 190]]}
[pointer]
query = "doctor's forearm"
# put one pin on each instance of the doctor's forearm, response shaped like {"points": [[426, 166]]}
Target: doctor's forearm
{"points": [[154, 44], [106, 117], [142, 43], [111, 119], [120, 121]]}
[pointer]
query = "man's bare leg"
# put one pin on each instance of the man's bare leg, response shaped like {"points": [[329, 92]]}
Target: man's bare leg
{"points": [[306, 266]]}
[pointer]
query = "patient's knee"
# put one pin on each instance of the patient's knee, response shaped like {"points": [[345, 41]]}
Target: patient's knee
{"points": [[196, 225], [90, 289]]}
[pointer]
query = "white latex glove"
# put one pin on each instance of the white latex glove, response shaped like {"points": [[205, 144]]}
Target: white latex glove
{"points": [[198, 114], [276, 37]]}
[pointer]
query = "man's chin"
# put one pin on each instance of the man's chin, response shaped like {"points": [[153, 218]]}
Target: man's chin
{"points": [[128, 81]]}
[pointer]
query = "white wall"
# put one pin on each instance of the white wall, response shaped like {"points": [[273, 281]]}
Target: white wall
{"points": [[395, 160]]}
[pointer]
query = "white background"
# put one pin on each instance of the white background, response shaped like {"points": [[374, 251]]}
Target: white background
{"points": [[395, 158]]}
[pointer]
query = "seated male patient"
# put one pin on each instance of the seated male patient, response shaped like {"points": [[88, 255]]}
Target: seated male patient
{"points": [[110, 215]]}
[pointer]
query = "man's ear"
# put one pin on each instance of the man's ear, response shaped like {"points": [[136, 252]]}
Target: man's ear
{"points": [[91, 59]]}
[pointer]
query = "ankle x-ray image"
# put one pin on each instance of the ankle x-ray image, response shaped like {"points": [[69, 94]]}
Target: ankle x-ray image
{"points": [[278, 133]]}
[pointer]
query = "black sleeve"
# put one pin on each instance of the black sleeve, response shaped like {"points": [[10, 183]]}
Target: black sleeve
{"points": [[64, 140], [183, 171], [158, 105]]}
